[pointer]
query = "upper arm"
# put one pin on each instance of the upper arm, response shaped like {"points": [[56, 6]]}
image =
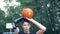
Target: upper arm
{"points": [[40, 32]]}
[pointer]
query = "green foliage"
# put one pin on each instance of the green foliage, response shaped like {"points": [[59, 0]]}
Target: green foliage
{"points": [[47, 12]]}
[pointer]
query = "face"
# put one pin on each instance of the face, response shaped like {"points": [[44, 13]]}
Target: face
{"points": [[26, 26]]}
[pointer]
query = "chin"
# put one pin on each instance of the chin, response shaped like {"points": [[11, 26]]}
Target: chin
{"points": [[26, 30]]}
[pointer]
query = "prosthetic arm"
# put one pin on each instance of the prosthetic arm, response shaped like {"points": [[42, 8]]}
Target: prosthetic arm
{"points": [[16, 21]]}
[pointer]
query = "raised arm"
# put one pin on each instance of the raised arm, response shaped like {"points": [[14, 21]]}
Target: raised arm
{"points": [[15, 28], [39, 25]]}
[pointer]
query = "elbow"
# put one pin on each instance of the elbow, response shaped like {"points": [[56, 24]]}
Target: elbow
{"points": [[44, 29]]}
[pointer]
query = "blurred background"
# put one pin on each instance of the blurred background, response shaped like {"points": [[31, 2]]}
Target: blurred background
{"points": [[47, 12]]}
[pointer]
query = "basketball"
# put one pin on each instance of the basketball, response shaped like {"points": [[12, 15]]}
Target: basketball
{"points": [[27, 12]]}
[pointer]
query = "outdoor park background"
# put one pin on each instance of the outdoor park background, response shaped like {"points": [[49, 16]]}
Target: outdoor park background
{"points": [[47, 12]]}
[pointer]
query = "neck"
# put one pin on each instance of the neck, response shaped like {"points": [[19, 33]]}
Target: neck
{"points": [[27, 32]]}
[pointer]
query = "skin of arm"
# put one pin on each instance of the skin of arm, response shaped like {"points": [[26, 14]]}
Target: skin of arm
{"points": [[39, 25]]}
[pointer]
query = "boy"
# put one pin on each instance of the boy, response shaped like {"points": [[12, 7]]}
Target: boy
{"points": [[26, 27]]}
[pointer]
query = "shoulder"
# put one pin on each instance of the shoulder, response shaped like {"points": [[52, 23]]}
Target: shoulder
{"points": [[40, 32]]}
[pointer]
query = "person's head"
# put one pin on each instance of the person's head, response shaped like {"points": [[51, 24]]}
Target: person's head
{"points": [[26, 25]]}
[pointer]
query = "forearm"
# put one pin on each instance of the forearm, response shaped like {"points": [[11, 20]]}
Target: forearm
{"points": [[39, 25]]}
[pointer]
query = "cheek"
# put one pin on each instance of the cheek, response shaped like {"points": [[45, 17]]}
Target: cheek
{"points": [[23, 26], [28, 27]]}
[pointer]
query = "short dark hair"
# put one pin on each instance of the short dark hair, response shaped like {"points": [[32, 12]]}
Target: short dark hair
{"points": [[25, 20]]}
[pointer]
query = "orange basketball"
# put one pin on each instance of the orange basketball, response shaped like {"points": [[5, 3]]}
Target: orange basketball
{"points": [[27, 12]]}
